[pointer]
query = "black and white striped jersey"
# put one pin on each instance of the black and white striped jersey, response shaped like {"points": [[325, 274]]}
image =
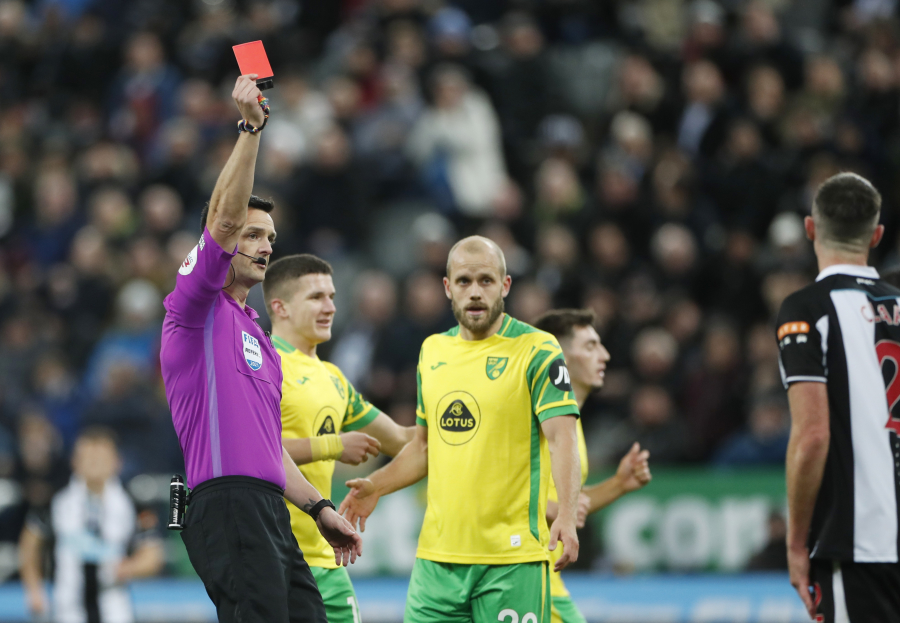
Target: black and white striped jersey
{"points": [[844, 330]]}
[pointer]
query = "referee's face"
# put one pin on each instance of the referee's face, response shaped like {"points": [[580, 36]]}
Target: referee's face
{"points": [[586, 357], [256, 240]]}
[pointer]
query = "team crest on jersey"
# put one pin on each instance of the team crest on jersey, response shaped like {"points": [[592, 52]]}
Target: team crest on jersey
{"points": [[338, 386], [324, 424], [187, 266], [495, 367], [252, 351], [459, 417]]}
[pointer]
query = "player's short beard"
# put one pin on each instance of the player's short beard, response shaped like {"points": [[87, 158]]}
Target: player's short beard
{"points": [[478, 326]]}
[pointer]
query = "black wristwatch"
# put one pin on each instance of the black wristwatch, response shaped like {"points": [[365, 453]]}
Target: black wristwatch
{"points": [[315, 510]]}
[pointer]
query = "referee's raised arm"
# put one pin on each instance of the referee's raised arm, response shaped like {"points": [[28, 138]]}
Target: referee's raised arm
{"points": [[228, 204], [223, 380]]}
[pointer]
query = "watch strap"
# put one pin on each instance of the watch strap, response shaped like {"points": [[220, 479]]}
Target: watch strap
{"points": [[321, 504]]}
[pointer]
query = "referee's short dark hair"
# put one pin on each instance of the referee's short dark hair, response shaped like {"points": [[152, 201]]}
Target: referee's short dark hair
{"points": [[561, 323], [846, 210], [256, 203], [284, 272]]}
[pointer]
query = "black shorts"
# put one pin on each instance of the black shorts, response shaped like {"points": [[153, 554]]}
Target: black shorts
{"points": [[238, 536], [856, 592]]}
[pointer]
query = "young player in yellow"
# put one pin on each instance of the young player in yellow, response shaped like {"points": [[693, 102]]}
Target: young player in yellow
{"points": [[494, 405], [586, 358], [323, 417]]}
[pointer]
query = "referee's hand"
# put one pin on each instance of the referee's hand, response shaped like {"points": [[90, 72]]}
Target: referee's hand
{"points": [[246, 97], [341, 536]]}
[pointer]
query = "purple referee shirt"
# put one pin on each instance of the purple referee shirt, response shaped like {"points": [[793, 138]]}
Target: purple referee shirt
{"points": [[222, 375]]}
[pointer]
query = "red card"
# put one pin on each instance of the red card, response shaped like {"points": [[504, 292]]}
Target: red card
{"points": [[252, 59]]}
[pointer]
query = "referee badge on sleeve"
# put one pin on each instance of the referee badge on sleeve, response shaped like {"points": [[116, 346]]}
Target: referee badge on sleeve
{"points": [[187, 266]]}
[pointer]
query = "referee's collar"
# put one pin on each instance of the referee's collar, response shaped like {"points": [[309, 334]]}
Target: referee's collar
{"points": [[854, 270]]}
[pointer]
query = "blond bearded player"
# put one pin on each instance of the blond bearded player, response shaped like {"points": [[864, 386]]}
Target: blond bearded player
{"points": [[494, 406], [323, 417], [586, 358]]}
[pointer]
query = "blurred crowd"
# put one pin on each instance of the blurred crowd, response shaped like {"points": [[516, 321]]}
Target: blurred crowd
{"points": [[650, 159]]}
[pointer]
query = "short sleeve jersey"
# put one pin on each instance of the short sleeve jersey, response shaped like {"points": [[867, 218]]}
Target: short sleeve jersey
{"points": [[221, 373], [844, 331], [488, 461], [316, 400], [557, 588]]}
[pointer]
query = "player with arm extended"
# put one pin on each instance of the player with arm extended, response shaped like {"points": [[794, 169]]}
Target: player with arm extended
{"points": [[839, 350], [323, 417], [586, 358], [223, 383], [494, 406]]}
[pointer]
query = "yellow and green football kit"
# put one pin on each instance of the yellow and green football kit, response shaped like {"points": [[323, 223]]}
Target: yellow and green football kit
{"points": [[563, 608], [488, 473], [317, 400]]}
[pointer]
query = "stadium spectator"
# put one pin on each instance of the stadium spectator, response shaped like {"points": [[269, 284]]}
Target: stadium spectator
{"points": [[773, 556], [374, 304], [456, 143], [98, 545], [766, 438], [653, 423]]}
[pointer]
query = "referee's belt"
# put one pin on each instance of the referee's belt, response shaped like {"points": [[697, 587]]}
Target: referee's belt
{"points": [[235, 482]]}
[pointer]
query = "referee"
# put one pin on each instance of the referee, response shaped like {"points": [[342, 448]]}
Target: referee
{"points": [[839, 342], [223, 383]]}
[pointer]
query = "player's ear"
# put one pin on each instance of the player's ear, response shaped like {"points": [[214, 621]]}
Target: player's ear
{"points": [[278, 308], [810, 226], [447, 287], [507, 284], [877, 235]]}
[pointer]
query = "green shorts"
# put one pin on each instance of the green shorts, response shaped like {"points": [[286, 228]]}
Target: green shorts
{"points": [[446, 592], [565, 611], [337, 593]]}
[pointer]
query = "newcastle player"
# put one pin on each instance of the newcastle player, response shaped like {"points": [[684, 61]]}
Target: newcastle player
{"points": [[839, 342]]}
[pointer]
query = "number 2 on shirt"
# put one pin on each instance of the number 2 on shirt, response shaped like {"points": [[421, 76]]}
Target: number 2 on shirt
{"points": [[890, 351]]}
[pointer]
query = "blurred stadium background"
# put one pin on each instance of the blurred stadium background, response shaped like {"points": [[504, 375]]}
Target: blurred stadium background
{"points": [[649, 159]]}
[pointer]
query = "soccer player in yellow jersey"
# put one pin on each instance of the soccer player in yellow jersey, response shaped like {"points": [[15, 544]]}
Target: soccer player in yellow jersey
{"points": [[323, 417], [494, 406], [586, 358]]}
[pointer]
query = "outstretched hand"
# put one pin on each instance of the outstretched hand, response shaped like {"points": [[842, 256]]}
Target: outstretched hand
{"points": [[246, 96], [634, 469], [359, 502], [341, 536]]}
